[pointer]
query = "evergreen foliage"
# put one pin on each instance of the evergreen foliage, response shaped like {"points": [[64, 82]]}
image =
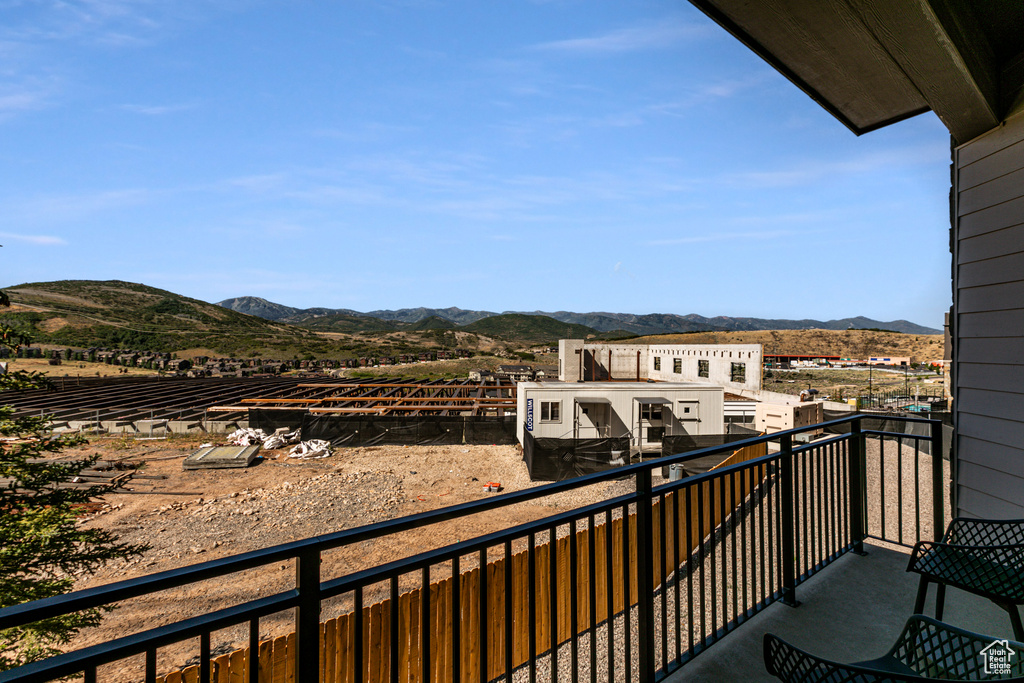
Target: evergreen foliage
{"points": [[42, 549]]}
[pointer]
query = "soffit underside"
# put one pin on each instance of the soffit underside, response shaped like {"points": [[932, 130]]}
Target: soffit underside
{"points": [[827, 51]]}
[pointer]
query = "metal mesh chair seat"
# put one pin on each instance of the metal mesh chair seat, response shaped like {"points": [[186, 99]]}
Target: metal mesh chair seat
{"points": [[984, 557], [926, 650]]}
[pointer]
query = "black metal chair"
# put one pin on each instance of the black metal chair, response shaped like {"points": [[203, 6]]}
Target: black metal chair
{"points": [[926, 650], [981, 556]]}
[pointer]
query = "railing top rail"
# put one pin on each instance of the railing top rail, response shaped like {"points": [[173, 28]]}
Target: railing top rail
{"points": [[26, 613]]}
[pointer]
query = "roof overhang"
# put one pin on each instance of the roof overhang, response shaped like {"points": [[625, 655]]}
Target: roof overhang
{"points": [[592, 399], [871, 63], [654, 400]]}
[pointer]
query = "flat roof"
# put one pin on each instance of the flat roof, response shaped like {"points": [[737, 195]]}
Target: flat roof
{"points": [[653, 387]]}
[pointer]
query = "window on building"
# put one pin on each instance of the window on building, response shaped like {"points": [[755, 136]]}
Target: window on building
{"points": [[738, 373], [702, 368], [650, 411], [550, 411], [657, 362], [677, 366]]}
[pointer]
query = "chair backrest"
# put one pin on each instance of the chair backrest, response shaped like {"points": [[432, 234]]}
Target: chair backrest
{"points": [[985, 532], [937, 650]]}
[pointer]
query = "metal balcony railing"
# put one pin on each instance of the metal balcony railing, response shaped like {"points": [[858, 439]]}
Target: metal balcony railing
{"points": [[630, 588]]}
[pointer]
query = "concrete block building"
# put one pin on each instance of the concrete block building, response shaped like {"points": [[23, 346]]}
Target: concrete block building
{"points": [[734, 366], [644, 412]]}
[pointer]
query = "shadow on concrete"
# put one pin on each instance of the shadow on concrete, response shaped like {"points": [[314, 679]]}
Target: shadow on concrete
{"points": [[851, 611]]}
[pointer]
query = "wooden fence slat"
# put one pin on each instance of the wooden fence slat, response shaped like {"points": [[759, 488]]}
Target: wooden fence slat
{"points": [[564, 583], [219, 669], [371, 639], [173, 677], [190, 674], [279, 652], [521, 588], [470, 626], [328, 650], [495, 618], [266, 661], [343, 667], [384, 644], [414, 657], [439, 641], [237, 666], [290, 655]]}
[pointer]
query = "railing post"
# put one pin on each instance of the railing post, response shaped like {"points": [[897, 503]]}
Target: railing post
{"points": [[644, 576], [307, 616], [938, 502], [858, 486], [788, 555]]}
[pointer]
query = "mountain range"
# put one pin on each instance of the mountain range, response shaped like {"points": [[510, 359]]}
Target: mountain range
{"points": [[629, 323]]}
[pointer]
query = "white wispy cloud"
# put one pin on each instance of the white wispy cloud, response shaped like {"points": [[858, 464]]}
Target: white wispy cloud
{"points": [[64, 208], [814, 170], [722, 237], [660, 35], [157, 109], [38, 240]]}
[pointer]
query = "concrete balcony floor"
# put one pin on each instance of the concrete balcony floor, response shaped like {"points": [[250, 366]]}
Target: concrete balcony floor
{"points": [[851, 611]]}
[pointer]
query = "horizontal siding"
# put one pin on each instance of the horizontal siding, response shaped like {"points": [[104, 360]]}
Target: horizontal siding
{"points": [[997, 456], [996, 165], [996, 191], [1006, 351], [1000, 404], [998, 217], [977, 504], [991, 376], [991, 143], [992, 244], [988, 346], [990, 429], [991, 481], [992, 324], [1009, 268], [1003, 296]]}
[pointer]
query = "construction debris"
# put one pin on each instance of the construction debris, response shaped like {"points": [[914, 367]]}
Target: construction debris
{"points": [[315, 448], [282, 437], [220, 457], [246, 437]]}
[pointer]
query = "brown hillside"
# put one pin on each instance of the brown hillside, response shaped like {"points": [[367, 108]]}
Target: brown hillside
{"points": [[843, 343]]}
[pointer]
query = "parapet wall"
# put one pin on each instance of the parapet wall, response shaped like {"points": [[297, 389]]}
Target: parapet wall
{"points": [[733, 366]]}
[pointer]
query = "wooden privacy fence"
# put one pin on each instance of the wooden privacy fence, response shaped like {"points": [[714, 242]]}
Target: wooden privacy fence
{"points": [[276, 657]]}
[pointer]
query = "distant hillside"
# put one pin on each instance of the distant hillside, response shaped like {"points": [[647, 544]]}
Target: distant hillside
{"points": [[432, 323], [528, 328], [414, 315], [650, 323], [662, 323], [124, 314], [254, 305]]}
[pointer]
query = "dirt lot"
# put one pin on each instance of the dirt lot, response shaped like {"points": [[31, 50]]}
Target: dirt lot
{"points": [[74, 368], [843, 343], [842, 384], [194, 516]]}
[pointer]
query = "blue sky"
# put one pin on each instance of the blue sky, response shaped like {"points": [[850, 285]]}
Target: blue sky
{"points": [[548, 155]]}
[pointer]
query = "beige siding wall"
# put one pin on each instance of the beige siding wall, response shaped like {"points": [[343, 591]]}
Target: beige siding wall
{"points": [[988, 330]]}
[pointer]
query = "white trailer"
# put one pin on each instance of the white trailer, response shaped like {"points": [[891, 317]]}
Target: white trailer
{"points": [[642, 411]]}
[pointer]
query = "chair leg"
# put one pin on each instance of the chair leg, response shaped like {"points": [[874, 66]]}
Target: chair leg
{"points": [[922, 593], [940, 600]]}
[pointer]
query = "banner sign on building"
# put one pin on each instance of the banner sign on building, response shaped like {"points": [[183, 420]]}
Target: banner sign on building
{"points": [[529, 414]]}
